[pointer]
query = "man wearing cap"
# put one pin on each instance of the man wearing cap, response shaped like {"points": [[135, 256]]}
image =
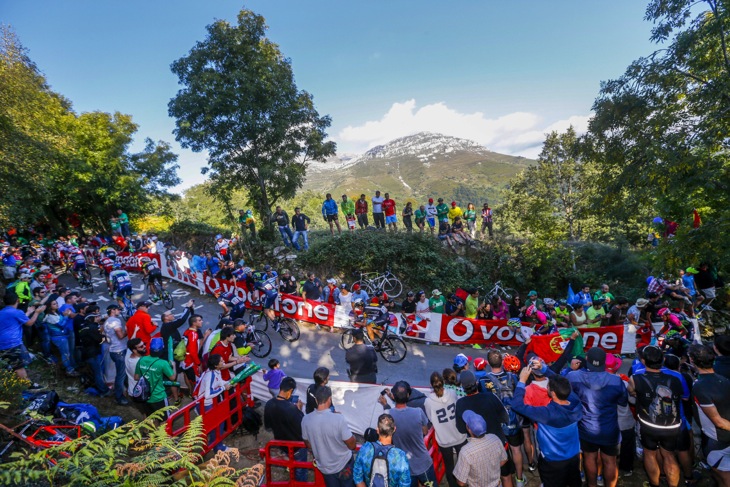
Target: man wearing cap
{"points": [[490, 408], [362, 361], [359, 294], [116, 336], [287, 283], [534, 300], [454, 306], [482, 457], [378, 216], [90, 338], [557, 432], [411, 426], [454, 211], [301, 222], [140, 325], [437, 302], [431, 213], [21, 287], [330, 214], [156, 370], [361, 210], [688, 281], [600, 393]]}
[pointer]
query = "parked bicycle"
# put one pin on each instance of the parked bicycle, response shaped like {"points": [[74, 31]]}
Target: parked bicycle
{"points": [[286, 327], [374, 281], [391, 347], [505, 293]]}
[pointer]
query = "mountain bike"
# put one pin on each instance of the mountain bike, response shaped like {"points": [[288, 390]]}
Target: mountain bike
{"points": [[391, 347], [84, 280], [286, 327], [258, 340], [505, 293], [374, 281], [161, 294]]}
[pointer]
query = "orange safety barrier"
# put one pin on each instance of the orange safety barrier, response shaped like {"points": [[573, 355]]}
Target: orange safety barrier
{"points": [[290, 447], [227, 411]]}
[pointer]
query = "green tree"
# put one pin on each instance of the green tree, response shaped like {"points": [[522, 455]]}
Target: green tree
{"points": [[661, 129], [240, 103]]}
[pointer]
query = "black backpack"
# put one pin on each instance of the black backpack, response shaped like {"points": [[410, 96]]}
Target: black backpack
{"points": [[663, 410]]}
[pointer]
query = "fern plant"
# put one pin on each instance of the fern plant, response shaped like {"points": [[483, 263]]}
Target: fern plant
{"points": [[137, 454]]}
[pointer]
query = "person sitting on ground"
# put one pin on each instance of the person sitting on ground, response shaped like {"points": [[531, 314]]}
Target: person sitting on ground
{"points": [[445, 234], [459, 232]]}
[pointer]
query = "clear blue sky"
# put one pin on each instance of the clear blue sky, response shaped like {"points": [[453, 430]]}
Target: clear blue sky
{"points": [[499, 72]]}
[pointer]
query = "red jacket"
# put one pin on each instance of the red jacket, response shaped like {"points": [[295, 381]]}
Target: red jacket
{"points": [[192, 355], [140, 326], [361, 207]]}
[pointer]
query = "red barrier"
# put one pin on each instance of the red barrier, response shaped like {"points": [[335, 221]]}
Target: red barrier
{"points": [[290, 463], [227, 411]]}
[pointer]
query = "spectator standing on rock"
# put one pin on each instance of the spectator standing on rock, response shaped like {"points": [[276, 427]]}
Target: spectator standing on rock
{"points": [[281, 219], [486, 220], [442, 211], [331, 441], [389, 210], [362, 361], [407, 215], [420, 215], [301, 227], [116, 336], [361, 210], [454, 212], [348, 209], [378, 217], [247, 222], [330, 213], [123, 220]]}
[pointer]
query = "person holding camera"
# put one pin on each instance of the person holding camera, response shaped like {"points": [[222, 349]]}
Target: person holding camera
{"points": [[283, 416]]}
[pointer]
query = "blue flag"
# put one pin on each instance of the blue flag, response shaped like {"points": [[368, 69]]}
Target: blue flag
{"points": [[571, 294]]}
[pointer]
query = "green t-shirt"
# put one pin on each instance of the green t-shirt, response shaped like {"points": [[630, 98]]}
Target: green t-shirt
{"points": [[538, 303], [437, 304], [348, 207], [600, 295], [470, 307], [123, 218], [470, 215], [115, 224], [592, 313], [156, 370], [442, 212], [420, 215]]}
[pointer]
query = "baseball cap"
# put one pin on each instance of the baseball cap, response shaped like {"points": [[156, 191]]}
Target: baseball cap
{"points": [[475, 422], [461, 360], [156, 344], [613, 363], [441, 199], [596, 360], [430, 200], [532, 293], [24, 275], [480, 363], [436, 292], [356, 287], [453, 203], [691, 270], [112, 307], [144, 303], [467, 379], [331, 281]]}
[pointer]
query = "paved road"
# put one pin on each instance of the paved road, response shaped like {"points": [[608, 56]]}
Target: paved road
{"points": [[315, 348]]}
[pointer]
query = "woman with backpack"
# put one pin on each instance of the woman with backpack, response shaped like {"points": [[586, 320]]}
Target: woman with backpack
{"points": [[440, 407]]}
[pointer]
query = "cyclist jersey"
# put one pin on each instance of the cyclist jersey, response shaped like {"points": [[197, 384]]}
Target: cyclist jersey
{"points": [[268, 284], [120, 278], [241, 273], [152, 267], [107, 263], [79, 258]]}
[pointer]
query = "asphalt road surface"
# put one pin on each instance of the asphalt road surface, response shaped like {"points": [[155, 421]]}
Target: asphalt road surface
{"points": [[315, 348]]}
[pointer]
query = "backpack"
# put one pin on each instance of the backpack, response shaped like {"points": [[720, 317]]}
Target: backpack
{"points": [[379, 468], [142, 391], [181, 349], [503, 388], [251, 421], [663, 409]]}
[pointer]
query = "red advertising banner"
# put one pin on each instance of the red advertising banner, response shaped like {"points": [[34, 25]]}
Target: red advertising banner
{"points": [[462, 331]]}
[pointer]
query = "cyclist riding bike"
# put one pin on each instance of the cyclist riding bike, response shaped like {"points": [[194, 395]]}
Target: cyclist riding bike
{"points": [[233, 306], [121, 283], [268, 285], [79, 263], [672, 322], [374, 319], [153, 273], [107, 265]]}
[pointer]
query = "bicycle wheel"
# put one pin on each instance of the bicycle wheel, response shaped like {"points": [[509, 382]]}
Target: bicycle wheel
{"points": [[509, 293], [260, 321], [392, 287], [261, 346], [393, 349], [289, 330], [347, 340], [167, 300]]}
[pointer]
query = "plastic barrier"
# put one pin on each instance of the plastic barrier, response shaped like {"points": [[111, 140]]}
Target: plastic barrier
{"points": [[226, 411], [287, 461]]}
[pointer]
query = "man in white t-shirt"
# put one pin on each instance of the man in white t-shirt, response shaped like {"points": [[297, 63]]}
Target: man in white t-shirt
{"points": [[137, 350], [116, 335], [378, 215], [431, 213]]}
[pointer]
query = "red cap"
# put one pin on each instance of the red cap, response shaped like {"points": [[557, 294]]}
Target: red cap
{"points": [[356, 287], [453, 203], [430, 200], [480, 363]]}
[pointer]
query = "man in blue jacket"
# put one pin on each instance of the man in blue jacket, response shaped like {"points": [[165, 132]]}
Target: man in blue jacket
{"points": [[557, 431], [600, 393], [330, 213]]}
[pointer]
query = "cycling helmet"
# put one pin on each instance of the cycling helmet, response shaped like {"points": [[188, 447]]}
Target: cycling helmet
{"points": [[144, 260], [510, 363], [480, 363], [117, 265], [379, 293], [663, 311], [549, 302], [358, 302], [267, 268], [649, 279], [514, 322], [672, 334]]}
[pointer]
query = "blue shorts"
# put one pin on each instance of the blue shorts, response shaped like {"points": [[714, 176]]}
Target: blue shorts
{"points": [[79, 266], [390, 219], [444, 237], [431, 221], [269, 300], [124, 291]]}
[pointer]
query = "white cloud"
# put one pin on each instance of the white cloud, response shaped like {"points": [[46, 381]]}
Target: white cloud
{"points": [[518, 133]]}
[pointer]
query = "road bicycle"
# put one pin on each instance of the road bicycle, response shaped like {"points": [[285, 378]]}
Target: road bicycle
{"points": [[287, 327], [258, 340], [374, 281], [128, 310], [391, 347], [505, 293], [161, 294], [84, 280]]}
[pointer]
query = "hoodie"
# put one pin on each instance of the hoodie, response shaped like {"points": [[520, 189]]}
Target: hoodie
{"points": [[557, 431], [439, 413], [600, 393]]}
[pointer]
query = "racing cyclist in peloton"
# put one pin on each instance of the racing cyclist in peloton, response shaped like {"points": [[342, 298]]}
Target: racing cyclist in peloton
{"points": [[79, 263], [121, 283], [153, 273], [268, 285]]}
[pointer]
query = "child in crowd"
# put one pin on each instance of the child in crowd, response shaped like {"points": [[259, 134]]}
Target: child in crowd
{"points": [[274, 376]]}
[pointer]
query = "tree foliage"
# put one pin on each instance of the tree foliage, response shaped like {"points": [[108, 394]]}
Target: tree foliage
{"points": [[56, 162], [239, 102]]}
